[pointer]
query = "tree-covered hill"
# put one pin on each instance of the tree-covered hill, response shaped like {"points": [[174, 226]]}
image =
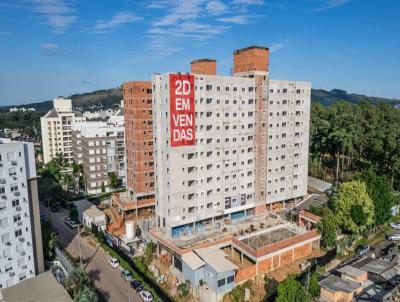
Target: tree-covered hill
{"points": [[110, 98]]}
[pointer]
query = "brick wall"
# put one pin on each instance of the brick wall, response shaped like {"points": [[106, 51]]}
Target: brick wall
{"points": [[302, 251], [139, 138], [252, 58], [245, 274], [204, 66]]}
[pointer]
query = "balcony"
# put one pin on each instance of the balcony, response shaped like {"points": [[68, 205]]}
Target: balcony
{"points": [[17, 193], [21, 239], [14, 162], [2, 181], [18, 208]]}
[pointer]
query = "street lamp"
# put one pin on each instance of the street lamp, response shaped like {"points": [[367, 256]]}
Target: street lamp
{"points": [[79, 243]]}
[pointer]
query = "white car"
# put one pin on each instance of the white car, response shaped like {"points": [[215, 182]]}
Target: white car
{"points": [[146, 296], [395, 225], [113, 262], [394, 237]]}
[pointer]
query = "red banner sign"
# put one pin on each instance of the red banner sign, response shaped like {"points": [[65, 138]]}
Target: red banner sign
{"points": [[182, 114]]}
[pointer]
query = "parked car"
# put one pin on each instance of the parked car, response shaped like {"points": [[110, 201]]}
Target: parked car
{"points": [[126, 275], [54, 208], [395, 225], [136, 283], [70, 223], [139, 288], [394, 237], [146, 296], [362, 250], [113, 262]]}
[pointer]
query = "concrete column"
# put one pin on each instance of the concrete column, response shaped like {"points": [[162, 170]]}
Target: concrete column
{"points": [[241, 258]]}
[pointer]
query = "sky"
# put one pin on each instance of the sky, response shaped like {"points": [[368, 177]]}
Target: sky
{"points": [[52, 48]]}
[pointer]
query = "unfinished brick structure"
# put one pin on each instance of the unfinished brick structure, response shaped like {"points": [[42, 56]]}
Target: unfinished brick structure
{"points": [[253, 58], [204, 66], [253, 62], [139, 141]]}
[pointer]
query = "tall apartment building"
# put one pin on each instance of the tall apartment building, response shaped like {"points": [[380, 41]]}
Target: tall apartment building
{"points": [[139, 141], [56, 130], [21, 253], [227, 146], [100, 148]]}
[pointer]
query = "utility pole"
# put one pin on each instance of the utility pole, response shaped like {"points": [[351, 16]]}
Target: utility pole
{"points": [[79, 243]]}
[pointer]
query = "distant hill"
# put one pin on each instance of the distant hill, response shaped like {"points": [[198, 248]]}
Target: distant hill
{"points": [[107, 98], [328, 97], [110, 98]]}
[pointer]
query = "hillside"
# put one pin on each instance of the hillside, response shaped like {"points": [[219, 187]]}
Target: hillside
{"points": [[328, 97], [110, 98]]}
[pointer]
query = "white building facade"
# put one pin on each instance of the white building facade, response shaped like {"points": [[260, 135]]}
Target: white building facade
{"points": [[227, 147], [21, 254], [56, 130]]}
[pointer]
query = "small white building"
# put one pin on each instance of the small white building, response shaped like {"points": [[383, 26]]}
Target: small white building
{"points": [[93, 217]]}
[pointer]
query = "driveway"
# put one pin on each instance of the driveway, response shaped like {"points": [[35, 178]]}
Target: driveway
{"points": [[107, 279]]}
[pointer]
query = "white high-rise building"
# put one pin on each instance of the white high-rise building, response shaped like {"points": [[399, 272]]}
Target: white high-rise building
{"points": [[21, 254], [56, 130], [227, 147]]}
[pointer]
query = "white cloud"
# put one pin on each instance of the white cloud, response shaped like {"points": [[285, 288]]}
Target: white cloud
{"points": [[117, 20], [239, 19], [274, 47], [53, 49], [193, 21], [328, 4], [48, 46], [248, 2], [56, 13], [216, 8]]}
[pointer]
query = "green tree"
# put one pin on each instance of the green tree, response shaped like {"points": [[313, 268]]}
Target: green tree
{"points": [[67, 181], [114, 182], [86, 294], [314, 289], [77, 174], [291, 290], [183, 288], [73, 214], [49, 238], [328, 229], [353, 207], [76, 281], [149, 251], [380, 190]]}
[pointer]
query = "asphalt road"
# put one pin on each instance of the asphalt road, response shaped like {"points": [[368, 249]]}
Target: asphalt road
{"points": [[107, 279]]}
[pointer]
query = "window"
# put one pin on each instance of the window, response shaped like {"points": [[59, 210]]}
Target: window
{"points": [[221, 282], [18, 233], [230, 279]]}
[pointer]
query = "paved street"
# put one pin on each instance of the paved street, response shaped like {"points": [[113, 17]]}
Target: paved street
{"points": [[105, 278]]}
